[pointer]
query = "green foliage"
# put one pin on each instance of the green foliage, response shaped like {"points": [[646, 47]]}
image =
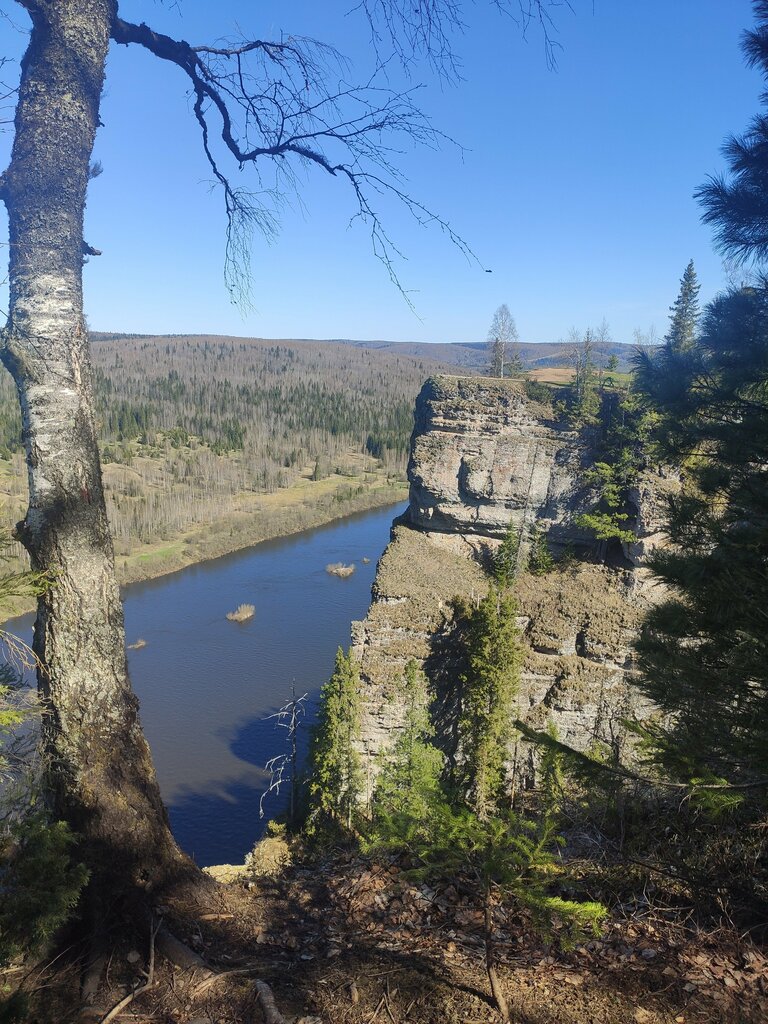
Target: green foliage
{"points": [[336, 775], [471, 833], [506, 558], [540, 560], [605, 525], [409, 782], [623, 447], [551, 778], [584, 397], [737, 206], [704, 652], [490, 683], [40, 884], [685, 313], [506, 855], [606, 521], [538, 392], [12, 713]]}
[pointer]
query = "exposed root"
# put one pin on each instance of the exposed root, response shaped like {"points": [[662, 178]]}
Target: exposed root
{"points": [[180, 955], [119, 1007], [267, 1002]]}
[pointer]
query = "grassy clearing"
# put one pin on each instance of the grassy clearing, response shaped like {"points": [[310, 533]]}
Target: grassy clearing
{"points": [[561, 376]]}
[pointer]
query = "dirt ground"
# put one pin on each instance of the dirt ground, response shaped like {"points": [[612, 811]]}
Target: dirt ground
{"points": [[358, 943]]}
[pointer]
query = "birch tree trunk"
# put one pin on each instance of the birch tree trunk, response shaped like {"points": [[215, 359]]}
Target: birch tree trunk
{"points": [[100, 770]]}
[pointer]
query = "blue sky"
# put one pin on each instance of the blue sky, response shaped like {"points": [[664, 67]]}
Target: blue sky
{"points": [[574, 186]]}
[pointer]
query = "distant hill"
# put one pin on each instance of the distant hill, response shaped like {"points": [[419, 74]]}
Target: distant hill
{"points": [[473, 355], [470, 356]]}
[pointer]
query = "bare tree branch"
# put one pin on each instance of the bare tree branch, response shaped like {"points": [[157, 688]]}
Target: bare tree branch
{"points": [[424, 29], [289, 102]]}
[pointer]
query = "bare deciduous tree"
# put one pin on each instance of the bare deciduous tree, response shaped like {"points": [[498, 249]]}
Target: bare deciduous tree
{"points": [[501, 334]]}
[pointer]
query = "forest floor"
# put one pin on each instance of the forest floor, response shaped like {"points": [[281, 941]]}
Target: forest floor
{"points": [[358, 943]]}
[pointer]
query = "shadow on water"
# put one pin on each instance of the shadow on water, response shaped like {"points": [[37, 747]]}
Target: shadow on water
{"points": [[221, 823], [207, 685], [236, 802]]}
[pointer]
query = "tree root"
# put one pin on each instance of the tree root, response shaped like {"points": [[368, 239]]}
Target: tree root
{"points": [[180, 955], [267, 1002], [119, 1007]]}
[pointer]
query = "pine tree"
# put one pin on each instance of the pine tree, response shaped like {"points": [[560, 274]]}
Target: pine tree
{"points": [[737, 206], [336, 774], [685, 313], [704, 652]]}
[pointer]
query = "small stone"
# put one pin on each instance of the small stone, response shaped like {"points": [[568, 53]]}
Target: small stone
{"points": [[133, 957]]}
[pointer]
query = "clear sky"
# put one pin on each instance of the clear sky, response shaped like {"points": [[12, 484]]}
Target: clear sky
{"points": [[574, 187]]}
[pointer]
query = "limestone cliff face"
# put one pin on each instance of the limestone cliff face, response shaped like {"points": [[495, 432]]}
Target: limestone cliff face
{"points": [[484, 456]]}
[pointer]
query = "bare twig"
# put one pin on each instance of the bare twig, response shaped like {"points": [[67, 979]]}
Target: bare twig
{"points": [[119, 1007]]}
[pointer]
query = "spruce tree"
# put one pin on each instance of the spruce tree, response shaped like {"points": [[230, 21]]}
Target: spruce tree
{"points": [[584, 403], [506, 557], [336, 774], [489, 686], [704, 651], [685, 313], [540, 560], [471, 832], [408, 787]]}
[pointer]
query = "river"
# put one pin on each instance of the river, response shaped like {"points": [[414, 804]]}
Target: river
{"points": [[207, 685]]}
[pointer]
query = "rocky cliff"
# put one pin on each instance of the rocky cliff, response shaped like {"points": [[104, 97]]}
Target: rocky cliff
{"points": [[484, 456]]}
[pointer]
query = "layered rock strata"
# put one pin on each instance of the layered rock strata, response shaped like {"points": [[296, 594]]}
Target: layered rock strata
{"points": [[484, 457]]}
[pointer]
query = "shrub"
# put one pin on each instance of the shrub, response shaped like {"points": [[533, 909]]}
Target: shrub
{"points": [[242, 613]]}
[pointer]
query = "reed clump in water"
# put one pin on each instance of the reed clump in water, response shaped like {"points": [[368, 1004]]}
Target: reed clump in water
{"points": [[242, 613], [339, 569]]}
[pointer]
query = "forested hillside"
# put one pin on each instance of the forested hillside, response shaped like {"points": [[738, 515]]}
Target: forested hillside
{"points": [[473, 357], [198, 433]]}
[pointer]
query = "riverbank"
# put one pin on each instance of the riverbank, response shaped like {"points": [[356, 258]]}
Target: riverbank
{"points": [[252, 519]]}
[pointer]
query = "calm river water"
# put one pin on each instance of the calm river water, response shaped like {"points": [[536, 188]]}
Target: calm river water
{"points": [[207, 684]]}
